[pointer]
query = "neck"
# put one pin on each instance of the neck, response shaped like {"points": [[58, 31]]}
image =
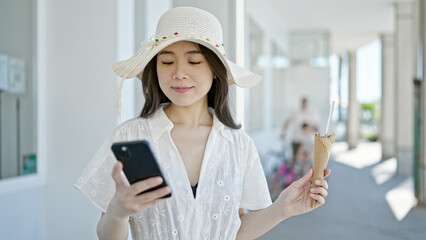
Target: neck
{"points": [[194, 115]]}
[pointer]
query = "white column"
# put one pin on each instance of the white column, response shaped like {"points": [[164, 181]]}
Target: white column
{"points": [[240, 48], [387, 131], [81, 44], [405, 65], [422, 147], [267, 84], [353, 123]]}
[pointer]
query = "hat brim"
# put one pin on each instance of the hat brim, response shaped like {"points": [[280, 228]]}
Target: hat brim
{"points": [[134, 65]]}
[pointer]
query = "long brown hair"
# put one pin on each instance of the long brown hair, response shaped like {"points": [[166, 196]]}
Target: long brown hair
{"points": [[217, 97]]}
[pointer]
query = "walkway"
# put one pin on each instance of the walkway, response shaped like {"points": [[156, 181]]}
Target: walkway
{"points": [[361, 197]]}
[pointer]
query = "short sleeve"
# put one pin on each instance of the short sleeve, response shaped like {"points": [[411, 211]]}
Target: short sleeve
{"points": [[96, 181], [255, 193]]}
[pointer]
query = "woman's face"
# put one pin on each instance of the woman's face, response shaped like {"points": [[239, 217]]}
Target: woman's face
{"points": [[184, 74]]}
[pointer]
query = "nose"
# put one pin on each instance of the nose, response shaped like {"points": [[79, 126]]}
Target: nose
{"points": [[180, 71]]}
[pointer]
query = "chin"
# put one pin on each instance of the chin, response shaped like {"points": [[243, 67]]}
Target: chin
{"points": [[182, 103]]}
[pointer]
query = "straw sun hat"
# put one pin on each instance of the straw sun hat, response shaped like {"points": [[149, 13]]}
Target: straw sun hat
{"points": [[184, 24]]}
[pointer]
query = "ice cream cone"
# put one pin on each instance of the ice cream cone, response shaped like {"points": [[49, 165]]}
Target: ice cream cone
{"points": [[322, 150]]}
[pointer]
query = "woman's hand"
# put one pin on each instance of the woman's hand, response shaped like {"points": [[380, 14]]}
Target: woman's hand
{"points": [[127, 201], [296, 198]]}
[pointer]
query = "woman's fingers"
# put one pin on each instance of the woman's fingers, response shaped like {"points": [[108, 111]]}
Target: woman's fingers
{"points": [[136, 188], [303, 180], [118, 176], [153, 195], [322, 183], [327, 172], [128, 197], [115, 173], [151, 203], [146, 184], [148, 199], [138, 203], [320, 199], [319, 190]]}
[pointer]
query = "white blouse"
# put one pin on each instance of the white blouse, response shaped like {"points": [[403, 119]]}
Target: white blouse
{"points": [[231, 177]]}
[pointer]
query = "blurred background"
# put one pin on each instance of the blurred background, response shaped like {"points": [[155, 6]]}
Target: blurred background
{"points": [[57, 105]]}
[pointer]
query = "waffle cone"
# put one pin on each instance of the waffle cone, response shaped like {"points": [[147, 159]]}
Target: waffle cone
{"points": [[322, 150]]}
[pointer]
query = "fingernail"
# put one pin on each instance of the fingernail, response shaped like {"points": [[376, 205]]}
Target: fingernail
{"points": [[158, 179], [317, 181]]}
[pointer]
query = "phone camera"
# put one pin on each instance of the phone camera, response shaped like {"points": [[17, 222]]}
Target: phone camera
{"points": [[122, 152]]}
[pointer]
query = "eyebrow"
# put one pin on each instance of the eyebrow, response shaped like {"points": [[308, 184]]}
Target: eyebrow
{"points": [[189, 52]]}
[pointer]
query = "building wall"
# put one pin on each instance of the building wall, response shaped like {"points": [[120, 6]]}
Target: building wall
{"points": [[22, 212], [82, 44], [17, 42], [23, 215], [79, 114]]}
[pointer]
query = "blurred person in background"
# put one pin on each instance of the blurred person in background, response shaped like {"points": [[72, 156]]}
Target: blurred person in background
{"points": [[296, 120], [303, 156]]}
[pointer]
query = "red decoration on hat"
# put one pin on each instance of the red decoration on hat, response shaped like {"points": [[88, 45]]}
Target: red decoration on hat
{"points": [[176, 33], [164, 37], [217, 45]]}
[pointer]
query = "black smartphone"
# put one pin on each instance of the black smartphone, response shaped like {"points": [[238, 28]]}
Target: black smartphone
{"points": [[138, 161]]}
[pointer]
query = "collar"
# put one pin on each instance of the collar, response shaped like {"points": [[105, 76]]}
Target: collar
{"points": [[159, 124], [218, 126]]}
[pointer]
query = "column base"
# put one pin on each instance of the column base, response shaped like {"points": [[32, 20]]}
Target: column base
{"points": [[388, 149], [404, 162], [352, 142]]}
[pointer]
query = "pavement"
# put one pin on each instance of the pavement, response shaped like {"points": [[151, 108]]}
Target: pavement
{"points": [[366, 201]]}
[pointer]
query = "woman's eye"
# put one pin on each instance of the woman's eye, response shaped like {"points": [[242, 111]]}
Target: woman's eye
{"points": [[194, 63], [167, 63]]}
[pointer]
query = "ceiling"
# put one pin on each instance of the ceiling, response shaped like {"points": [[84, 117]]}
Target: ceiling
{"points": [[351, 23]]}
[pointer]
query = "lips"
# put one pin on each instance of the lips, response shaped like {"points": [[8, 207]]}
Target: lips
{"points": [[182, 89]]}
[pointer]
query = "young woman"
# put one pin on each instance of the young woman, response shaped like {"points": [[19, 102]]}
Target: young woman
{"points": [[212, 168]]}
